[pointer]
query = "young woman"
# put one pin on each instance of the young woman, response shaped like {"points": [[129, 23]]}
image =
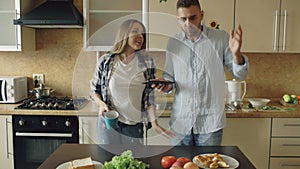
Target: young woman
{"points": [[118, 85]]}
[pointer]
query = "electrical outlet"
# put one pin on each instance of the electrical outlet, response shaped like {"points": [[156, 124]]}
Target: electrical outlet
{"points": [[38, 79]]}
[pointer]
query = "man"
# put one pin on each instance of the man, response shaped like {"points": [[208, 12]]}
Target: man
{"points": [[195, 60]]}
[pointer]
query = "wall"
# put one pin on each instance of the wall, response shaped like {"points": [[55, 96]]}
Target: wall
{"points": [[57, 51]]}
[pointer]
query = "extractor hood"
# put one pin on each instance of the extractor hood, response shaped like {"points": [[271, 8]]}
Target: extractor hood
{"points": [[52, 14]]}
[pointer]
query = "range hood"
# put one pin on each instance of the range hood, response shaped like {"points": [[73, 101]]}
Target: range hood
{"points": [[52, 14]]}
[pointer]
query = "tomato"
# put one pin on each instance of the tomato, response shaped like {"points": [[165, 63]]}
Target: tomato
{"points": [[183, 159], [167, 161]]}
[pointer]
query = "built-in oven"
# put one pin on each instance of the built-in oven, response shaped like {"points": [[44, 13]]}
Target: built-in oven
{"points": [[35, 137]]}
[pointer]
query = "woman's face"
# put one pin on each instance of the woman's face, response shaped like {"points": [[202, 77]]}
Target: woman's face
{"points": [[135, 37]]}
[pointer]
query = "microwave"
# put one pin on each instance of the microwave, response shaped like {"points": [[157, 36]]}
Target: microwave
{"points": [[13, 89]]}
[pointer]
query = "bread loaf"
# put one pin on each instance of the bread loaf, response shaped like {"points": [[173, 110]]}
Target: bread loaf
{"points": [[84, 163]]}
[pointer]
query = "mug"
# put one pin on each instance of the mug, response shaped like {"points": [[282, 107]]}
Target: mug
{"points": [[111, 119]]}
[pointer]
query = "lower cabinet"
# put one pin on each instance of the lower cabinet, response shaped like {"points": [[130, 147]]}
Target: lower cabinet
{"points": [[285, 143], [153, 138], [6, 142], [252, 136], [88, 130]]}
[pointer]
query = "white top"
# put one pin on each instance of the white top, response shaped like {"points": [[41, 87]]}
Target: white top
{"points": [[126, 89]]}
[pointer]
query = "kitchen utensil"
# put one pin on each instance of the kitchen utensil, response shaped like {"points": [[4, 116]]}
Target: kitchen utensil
{"points": [[42, 91], [233, 90], [256, 102], [237, 104]]}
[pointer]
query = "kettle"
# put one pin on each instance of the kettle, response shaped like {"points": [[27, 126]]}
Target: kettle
{"points": [[233, 90]]}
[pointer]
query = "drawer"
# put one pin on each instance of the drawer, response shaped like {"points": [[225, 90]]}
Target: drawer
{"points": [[286, 127], [284, 163], [285, 147]]}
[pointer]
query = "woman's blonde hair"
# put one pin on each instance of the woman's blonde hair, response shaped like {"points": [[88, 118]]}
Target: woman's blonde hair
{"points": [[122, 36]]}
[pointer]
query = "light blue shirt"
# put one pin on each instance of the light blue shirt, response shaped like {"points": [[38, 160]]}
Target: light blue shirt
{"points": [[198, 70]]}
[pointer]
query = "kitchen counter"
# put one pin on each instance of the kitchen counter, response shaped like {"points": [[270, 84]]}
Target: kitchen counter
{"points": [[91, 109], [102, 153]]}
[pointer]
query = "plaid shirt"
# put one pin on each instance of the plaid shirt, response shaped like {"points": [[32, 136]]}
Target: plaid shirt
{"points": [[102, 75]]}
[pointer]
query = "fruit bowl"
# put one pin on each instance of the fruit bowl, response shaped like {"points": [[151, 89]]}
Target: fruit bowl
{"points": [[282, 102], [257, 102]]}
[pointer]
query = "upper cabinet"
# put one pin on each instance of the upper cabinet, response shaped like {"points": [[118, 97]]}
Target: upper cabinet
{"points": [[10, 34], [163, 20], [213, 12], [15, 38], [269, 25], [103, 18]]}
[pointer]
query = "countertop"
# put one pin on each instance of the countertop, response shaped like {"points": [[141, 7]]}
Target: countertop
{"points": [[91, 109], [149, 154]]}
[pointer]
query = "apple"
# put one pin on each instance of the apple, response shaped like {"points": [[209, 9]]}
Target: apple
{"points": [[176, 167], [183, 159], [178, 163], [190, 165]]}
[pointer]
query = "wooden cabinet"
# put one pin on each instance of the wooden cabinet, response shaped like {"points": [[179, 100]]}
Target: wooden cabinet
{"points": [[269, 25], [285, 143], [103, 18], [163, 19], [15, 38], [156, 139], [6, 142], [252, 136], [88, 130]]}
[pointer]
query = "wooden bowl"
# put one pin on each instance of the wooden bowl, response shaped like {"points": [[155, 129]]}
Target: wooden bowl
{"points": [[287, 104]]}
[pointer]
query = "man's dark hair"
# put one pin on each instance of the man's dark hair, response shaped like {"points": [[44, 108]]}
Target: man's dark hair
{"points": [[187, 3]]}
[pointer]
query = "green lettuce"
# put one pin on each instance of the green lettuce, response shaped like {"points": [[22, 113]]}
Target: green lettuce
{"points": [[125, 161]]}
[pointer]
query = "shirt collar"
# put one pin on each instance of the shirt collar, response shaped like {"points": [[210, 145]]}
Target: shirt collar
{"points": [[203, 33]]}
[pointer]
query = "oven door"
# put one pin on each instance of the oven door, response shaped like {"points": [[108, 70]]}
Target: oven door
{"points": [[31, 148]]}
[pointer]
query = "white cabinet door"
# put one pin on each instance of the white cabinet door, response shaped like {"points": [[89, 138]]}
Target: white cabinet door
{"points": [[252, 136], [289, 32], [88, 130], [6, 142], [163, 19], [10, 34], [15, 37], [103, 18], [268, 25], [155, 139]]}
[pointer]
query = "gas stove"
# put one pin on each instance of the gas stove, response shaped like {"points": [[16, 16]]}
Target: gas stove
{"points": [[53, 103]]}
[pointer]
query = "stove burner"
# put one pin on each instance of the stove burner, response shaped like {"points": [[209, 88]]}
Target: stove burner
{"points": [[53, 103]]}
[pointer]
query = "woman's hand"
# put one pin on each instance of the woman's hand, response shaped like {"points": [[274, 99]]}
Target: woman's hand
{"points": [[162, 131], [102, 106]]}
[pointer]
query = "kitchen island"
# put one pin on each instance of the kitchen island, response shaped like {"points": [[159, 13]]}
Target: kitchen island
{"points": [[67, 152]]}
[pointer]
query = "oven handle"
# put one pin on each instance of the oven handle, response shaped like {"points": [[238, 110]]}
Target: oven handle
{"points": [[26, 134]]}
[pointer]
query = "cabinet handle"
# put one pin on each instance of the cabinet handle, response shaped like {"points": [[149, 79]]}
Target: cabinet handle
{"points": [[291, 125], [284, 31], [7, 139], [291, 145], [275, 31], [290, 165]]}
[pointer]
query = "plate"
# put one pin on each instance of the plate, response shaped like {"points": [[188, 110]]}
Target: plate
{"points": [[156, 82], [233, 163], [65, 165]]}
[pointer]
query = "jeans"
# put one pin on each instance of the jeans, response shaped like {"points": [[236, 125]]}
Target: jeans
{"points": [[209, 139], [124, 134]]}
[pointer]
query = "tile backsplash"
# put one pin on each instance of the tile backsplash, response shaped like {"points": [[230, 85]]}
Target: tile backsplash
{"points": [[68, 68]]}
